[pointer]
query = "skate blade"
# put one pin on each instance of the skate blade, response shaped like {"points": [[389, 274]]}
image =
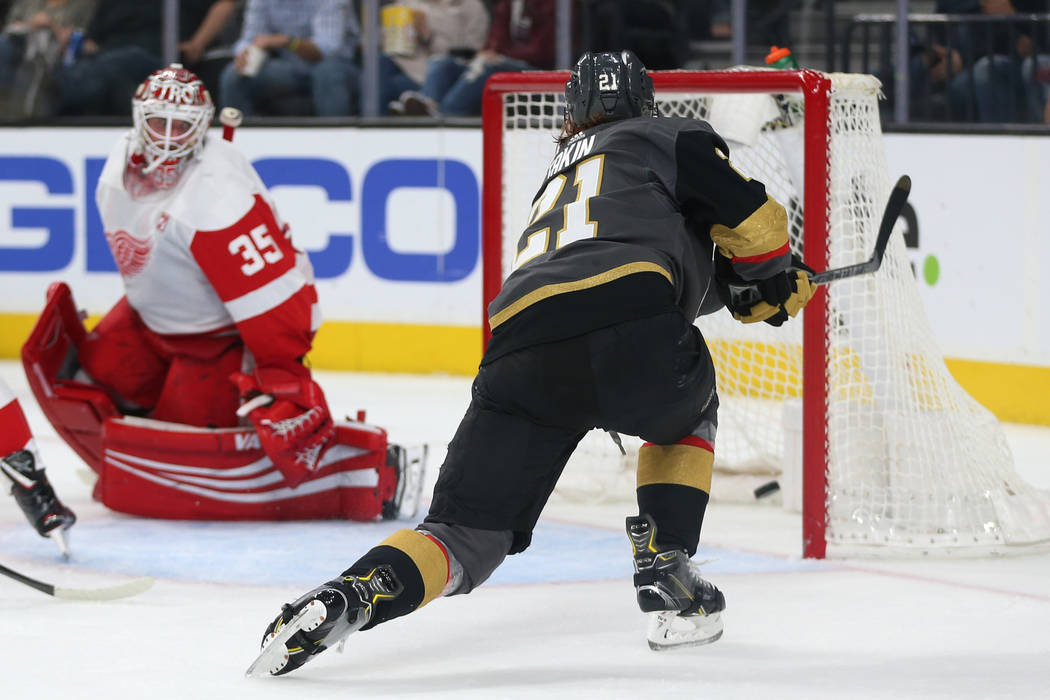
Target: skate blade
{"points": [[61, 541], [669, 631], [274, 655]]}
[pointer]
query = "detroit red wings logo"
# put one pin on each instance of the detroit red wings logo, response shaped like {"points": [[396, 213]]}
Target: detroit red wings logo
{"points": [[130, 253]]}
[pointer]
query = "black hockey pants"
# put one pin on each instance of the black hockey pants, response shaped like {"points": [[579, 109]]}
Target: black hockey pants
{"points": [[651, 377]]}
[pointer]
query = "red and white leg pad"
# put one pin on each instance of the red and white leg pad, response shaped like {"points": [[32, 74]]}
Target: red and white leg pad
{"points": [[75, 409], [168, 470]]}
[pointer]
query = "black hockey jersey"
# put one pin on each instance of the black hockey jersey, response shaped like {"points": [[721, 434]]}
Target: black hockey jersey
{"points": [[626, 225]]}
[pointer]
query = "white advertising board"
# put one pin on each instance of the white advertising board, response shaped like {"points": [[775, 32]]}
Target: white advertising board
{"points": [[980, 240], [389, 216]]}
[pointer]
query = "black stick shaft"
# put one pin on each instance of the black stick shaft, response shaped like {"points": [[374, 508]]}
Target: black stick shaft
{"points": [[31, 582]]}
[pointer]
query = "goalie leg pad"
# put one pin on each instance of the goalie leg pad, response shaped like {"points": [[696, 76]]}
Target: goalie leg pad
{"points": [[167, 470], [197, 390], [119, 356], [75, 409]]}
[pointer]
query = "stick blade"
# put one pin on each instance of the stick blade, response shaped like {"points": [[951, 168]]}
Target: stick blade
{"points": [[904, 183], [894, 208], [124, 590]]}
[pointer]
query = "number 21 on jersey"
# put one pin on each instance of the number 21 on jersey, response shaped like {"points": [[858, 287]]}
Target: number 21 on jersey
{"points": [[576, 224]]}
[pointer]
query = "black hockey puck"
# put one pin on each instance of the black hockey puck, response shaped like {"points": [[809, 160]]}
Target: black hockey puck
{"points": [[766, 489]]}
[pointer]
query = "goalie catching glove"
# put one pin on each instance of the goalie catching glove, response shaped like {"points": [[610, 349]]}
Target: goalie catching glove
{"points": [[291, 418], [773, 299]]}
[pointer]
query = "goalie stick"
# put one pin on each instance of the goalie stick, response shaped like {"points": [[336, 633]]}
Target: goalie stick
{"points": [[230, 118], [123, 590], [746, 295]]}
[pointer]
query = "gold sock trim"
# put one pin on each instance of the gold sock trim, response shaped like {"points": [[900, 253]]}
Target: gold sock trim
{"points": [[428, 558], [684, 465]]}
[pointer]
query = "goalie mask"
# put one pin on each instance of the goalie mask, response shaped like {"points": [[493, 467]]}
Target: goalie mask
{"points": [[608, 86], [172, 111]]}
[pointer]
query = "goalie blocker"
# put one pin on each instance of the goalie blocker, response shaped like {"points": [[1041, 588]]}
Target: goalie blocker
{"points": [[168, 470]]}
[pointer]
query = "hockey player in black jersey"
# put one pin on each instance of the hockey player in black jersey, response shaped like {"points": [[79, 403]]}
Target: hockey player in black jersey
{"points": [[640, 226]]}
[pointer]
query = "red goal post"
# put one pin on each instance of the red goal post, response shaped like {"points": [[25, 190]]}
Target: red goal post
{"points": [[870, 392]]}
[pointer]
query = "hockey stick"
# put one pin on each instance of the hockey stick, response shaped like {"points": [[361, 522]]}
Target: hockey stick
{"points": [[894, 207], [230, 117], [124, 590], [747, 295]]}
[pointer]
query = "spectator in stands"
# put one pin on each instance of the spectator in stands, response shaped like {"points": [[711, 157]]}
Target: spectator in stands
{"points": [[994, 78], [656, 30], [295, 48], [193, 47], [1036, 76], [32, 41], [940, 87], [933, 66], [207, 49], [521, 38], [1035, 72], [440, 28], [122, 45]]}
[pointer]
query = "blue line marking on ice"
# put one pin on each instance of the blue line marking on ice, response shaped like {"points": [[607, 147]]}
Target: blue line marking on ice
{"points": [[308, 553]]}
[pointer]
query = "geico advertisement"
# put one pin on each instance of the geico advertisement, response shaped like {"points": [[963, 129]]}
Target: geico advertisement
{"points": [[389, 217], [978, 233]]}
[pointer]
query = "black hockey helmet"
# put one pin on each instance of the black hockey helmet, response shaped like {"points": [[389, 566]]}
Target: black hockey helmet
{"points": [[608, 86]]}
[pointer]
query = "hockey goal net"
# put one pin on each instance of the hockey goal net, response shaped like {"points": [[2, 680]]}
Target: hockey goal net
{"points": [[854, 399]]}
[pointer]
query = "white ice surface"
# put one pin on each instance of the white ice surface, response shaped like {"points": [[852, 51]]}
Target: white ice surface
{"points": [[558, 621]]}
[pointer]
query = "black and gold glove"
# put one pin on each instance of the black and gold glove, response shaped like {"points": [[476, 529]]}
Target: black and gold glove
{"points": [[773, 300]]}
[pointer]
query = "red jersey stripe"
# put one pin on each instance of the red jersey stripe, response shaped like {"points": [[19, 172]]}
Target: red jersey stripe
{"points": [[762, 257]]}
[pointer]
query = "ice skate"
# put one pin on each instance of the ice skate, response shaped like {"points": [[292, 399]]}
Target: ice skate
{"points": [[37, 499], [684, 610], [323, 617]]}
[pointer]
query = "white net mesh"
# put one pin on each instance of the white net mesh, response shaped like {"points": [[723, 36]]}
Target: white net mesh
{"points": [[914, 464]]}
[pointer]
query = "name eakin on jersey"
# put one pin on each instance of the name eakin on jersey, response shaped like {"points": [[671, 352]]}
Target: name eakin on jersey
{"points": [[570, 153]]}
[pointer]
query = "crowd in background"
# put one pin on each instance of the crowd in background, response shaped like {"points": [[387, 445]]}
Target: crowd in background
{"points": [[303, 57], [987, 68]]}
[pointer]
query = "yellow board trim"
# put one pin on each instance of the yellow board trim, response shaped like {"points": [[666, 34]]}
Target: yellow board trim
{"points": [[397, 347], [428, 558], [1013, 392], [684, 465], [342, 345], [546, 292]]}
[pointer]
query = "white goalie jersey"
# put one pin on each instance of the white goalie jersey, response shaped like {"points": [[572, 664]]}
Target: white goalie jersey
{"points": [[209, 253]]}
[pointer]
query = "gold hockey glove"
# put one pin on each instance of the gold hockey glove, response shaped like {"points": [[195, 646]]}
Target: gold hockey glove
{"points": [[773, 300]]}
